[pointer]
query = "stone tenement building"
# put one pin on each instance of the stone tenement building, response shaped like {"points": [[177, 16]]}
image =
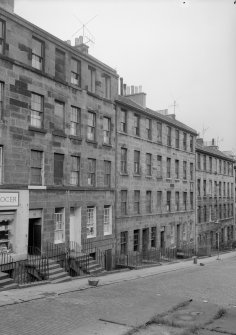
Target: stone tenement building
{"points": [[155, 178], [57, 139], [215, 195]]}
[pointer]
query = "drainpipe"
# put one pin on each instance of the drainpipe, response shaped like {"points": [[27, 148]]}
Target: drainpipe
{"points": [[195, 193], [116, 171]]}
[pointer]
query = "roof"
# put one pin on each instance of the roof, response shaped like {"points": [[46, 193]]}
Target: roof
{"points": [[164, 118], [57, 41], [213, 151]]}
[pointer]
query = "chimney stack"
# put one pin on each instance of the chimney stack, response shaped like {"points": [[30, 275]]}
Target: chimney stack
{"points": [[8, 5], [79, 45], [121, 87]]}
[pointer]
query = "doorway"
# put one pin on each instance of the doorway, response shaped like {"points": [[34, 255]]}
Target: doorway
{"points": [[178, 236], [34, 236], [162, 238], [145, 239], [75, 225]]}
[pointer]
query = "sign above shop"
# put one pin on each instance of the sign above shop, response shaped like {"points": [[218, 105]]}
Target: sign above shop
{"points": [[9, 199]]}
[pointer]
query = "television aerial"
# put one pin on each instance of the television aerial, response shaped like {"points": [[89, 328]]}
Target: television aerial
{"points": [[88, 37]]}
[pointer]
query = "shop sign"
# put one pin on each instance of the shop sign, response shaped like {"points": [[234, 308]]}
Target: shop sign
{"points": [[9, 199]]}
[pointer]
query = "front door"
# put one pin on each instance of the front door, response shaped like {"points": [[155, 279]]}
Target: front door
{"points": [[162, 238], [75, 225], [34, 236], [145, 239], [178, 236]]}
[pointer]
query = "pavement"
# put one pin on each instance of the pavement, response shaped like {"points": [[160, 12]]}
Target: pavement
{"points": [[126, 300], [21, 295]]}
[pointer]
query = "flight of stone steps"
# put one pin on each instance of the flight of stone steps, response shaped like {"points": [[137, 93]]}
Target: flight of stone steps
{"points": [[6, 283], [56, 273]]}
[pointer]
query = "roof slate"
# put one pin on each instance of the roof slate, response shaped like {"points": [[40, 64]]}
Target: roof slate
{"points": [[168, 119], [213, 151]]}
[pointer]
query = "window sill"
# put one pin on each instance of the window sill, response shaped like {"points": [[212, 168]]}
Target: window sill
{"points": [[39, 130], [125, 174], [148, 176], [35, 187], [107, 145], [136, 175], [185, 181], [177, 180], [91, 236], [74, 137], [168, 180], [59, 133], [58, 242], [91, 142], [107, 100]]}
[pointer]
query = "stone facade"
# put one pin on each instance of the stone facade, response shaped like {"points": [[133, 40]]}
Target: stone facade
{"points": [[57, 136], [215, 187], [155, 223]]}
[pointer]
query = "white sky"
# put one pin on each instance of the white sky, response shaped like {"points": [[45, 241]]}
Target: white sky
{"points": [[176, 51]]}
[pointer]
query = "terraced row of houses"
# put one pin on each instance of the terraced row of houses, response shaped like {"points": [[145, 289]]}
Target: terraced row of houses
{"points": [[80, 162]]}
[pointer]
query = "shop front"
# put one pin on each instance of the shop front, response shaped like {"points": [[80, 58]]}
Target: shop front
{"points": [[14, 217]]}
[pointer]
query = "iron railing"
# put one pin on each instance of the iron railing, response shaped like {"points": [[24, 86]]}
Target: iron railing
{"points": [[147, 257], [34, 268]]}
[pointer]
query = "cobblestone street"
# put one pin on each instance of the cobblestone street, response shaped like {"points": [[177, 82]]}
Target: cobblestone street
{"points": [[116, 308]]}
